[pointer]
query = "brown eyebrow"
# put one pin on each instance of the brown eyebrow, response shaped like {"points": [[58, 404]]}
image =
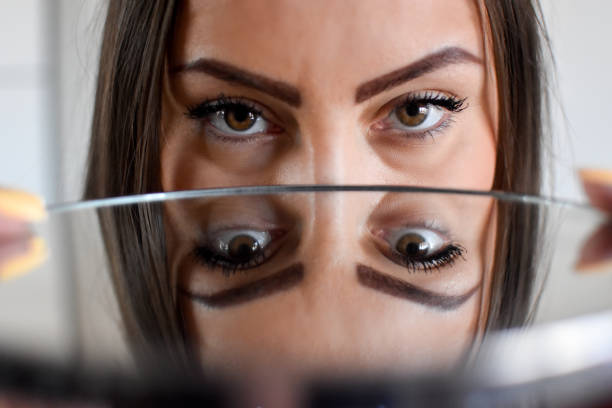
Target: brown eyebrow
{"points": [[390, 285], [279, 281], [229, 73], [427, 64]]}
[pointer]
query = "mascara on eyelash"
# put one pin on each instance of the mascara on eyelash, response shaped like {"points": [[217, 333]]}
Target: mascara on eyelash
{"points": [[438, 99], [209, 258], [444, 257], [219, 104]]}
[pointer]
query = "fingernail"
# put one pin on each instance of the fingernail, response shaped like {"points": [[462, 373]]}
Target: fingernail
{"points": [[597, 185], [21, 264], [21, 205]]}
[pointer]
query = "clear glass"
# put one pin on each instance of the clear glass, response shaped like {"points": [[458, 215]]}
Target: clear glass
{"points": [[315, 291]]}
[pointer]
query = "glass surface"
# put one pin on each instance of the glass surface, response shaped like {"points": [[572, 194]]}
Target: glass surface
{"points": [[284, 288]]}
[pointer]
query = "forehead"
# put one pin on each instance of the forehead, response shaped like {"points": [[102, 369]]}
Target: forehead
{"points": [[302, 42]]}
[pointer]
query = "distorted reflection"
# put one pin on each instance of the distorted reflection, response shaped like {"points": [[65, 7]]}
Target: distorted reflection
{"points": [[350, 282]]}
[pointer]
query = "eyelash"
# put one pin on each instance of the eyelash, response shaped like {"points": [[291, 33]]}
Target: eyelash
{"points": [[450, 103], [222, 103], [211, 259], [445, 257], [204, 109]]}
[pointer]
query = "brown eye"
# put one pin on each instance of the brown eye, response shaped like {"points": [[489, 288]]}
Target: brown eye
{"points": [[240, 118], [417, 248], [412, 114], [243, 248], [412, 245]]}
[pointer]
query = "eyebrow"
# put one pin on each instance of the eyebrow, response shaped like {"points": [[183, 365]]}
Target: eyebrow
{"points": [[373, 279], [440, 59], [230, 73], [278, 282]]}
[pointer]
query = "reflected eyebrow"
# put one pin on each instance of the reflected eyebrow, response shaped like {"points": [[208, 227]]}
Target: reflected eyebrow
{"points": [[230, 73], [279, 281], [427, 64], [390, 285]]}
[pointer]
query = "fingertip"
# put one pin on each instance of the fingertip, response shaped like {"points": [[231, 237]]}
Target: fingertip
{"points": [[598, 176], [22, 205], [597, 184]]}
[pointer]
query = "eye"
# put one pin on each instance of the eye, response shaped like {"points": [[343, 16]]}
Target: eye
{"points": [[419, 248], [238, 120], [232, 118], [237, 249], [420, 114], [413, 244]]}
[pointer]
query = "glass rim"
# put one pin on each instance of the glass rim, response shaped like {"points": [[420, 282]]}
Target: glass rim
{"points": [[157, 197]]}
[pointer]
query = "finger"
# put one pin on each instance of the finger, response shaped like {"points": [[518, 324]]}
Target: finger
{"points": [[24, 260], [596, 253], [19, 250], [12, 229], [21, 205], [598, 187]]}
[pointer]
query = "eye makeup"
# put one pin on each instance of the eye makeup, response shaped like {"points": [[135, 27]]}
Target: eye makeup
{"points": [[430, 241], [417, 115], [440, 99], [379, 281], [418, 247], [280, 281], [238, 249], [294, 274], [234, 119]]}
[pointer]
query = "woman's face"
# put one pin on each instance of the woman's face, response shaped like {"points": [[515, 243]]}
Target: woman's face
{"points": [[329, 92]]}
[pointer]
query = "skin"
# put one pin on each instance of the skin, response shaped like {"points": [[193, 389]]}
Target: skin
{"points": [[326, 50], [20, 251]]}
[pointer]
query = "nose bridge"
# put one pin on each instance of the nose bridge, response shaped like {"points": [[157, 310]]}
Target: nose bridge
{"points": [[330, 249], [335, 149], [331, 295]]}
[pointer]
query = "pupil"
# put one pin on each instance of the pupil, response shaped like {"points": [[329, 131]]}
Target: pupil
{"points": [[240, 114], [412, 245], [243, 248], [413, 109], [412, 248]]}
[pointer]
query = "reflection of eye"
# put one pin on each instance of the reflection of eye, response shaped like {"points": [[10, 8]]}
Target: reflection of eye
{"points": [[420, 248], [233, 250], [420, 115], [232, 117]]}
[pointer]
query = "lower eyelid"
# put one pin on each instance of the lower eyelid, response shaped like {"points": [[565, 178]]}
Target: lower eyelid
{"points": [[211, 130], [407, 135]]}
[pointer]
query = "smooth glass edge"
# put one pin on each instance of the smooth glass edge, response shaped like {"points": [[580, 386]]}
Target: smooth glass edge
{"points": [[306, 188]]}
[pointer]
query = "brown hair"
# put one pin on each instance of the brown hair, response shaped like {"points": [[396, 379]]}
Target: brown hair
{"points": [[124, 159], [520, 44]]}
